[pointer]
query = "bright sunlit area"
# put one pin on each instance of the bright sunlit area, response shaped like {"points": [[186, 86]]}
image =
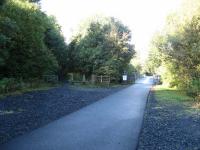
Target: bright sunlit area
{"points": [[143, 17]]}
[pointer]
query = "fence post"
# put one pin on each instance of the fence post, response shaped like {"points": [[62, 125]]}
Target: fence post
{"points": [[93, 78], [72, 77], [109, 81], [84, 78]]}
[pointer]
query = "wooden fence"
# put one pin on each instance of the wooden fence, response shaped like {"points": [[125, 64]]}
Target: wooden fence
{"points": [[50, 78], [103, 79], [94, 79]]}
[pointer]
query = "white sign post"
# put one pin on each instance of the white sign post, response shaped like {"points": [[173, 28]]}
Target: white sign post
{"points": [[124, 77]]}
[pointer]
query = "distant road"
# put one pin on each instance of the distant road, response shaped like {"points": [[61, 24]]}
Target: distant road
{"points": [[112, 123]]}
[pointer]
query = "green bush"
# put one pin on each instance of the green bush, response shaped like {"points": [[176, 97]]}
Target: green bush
{"points": [[10, 85], [7, 84], [193, 89]]}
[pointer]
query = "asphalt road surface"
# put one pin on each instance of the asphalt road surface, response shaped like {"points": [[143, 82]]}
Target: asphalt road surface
{"points": [[112, 123]]}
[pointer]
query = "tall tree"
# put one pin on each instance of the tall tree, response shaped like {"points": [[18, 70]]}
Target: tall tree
{"points": [[103, 46], [179, 46], [55, 42], [24, 34]]}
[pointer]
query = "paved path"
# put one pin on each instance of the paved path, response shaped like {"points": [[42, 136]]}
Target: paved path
{"points": [[112, 123]]}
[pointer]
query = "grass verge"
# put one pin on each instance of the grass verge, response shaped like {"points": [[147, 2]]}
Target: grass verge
{"points": [[89, 85], [173, 95], [164, 93], [39, 87]]}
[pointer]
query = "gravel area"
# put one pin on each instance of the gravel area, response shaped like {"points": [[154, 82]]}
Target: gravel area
{"points": [[169, 126], [23, 113]]}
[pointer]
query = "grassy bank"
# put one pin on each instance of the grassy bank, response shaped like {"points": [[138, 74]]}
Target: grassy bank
{"points": [[90, 85], [167, 94], [173, 95], [38, 87]]}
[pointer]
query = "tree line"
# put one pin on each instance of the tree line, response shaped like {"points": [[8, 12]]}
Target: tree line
{"points": [[175, 51], [32, 44], [101, 46]]}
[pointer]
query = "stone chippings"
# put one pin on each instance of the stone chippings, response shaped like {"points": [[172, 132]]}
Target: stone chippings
{"points": [[23, 113], [168, 126]]}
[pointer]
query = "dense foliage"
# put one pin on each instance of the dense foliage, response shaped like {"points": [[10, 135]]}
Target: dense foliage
{"points": [[101, 46], [31, 44], [175, 51]]}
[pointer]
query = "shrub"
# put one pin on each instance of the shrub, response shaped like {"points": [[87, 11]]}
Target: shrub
{"points": [[7, 84], [193, 88]]}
